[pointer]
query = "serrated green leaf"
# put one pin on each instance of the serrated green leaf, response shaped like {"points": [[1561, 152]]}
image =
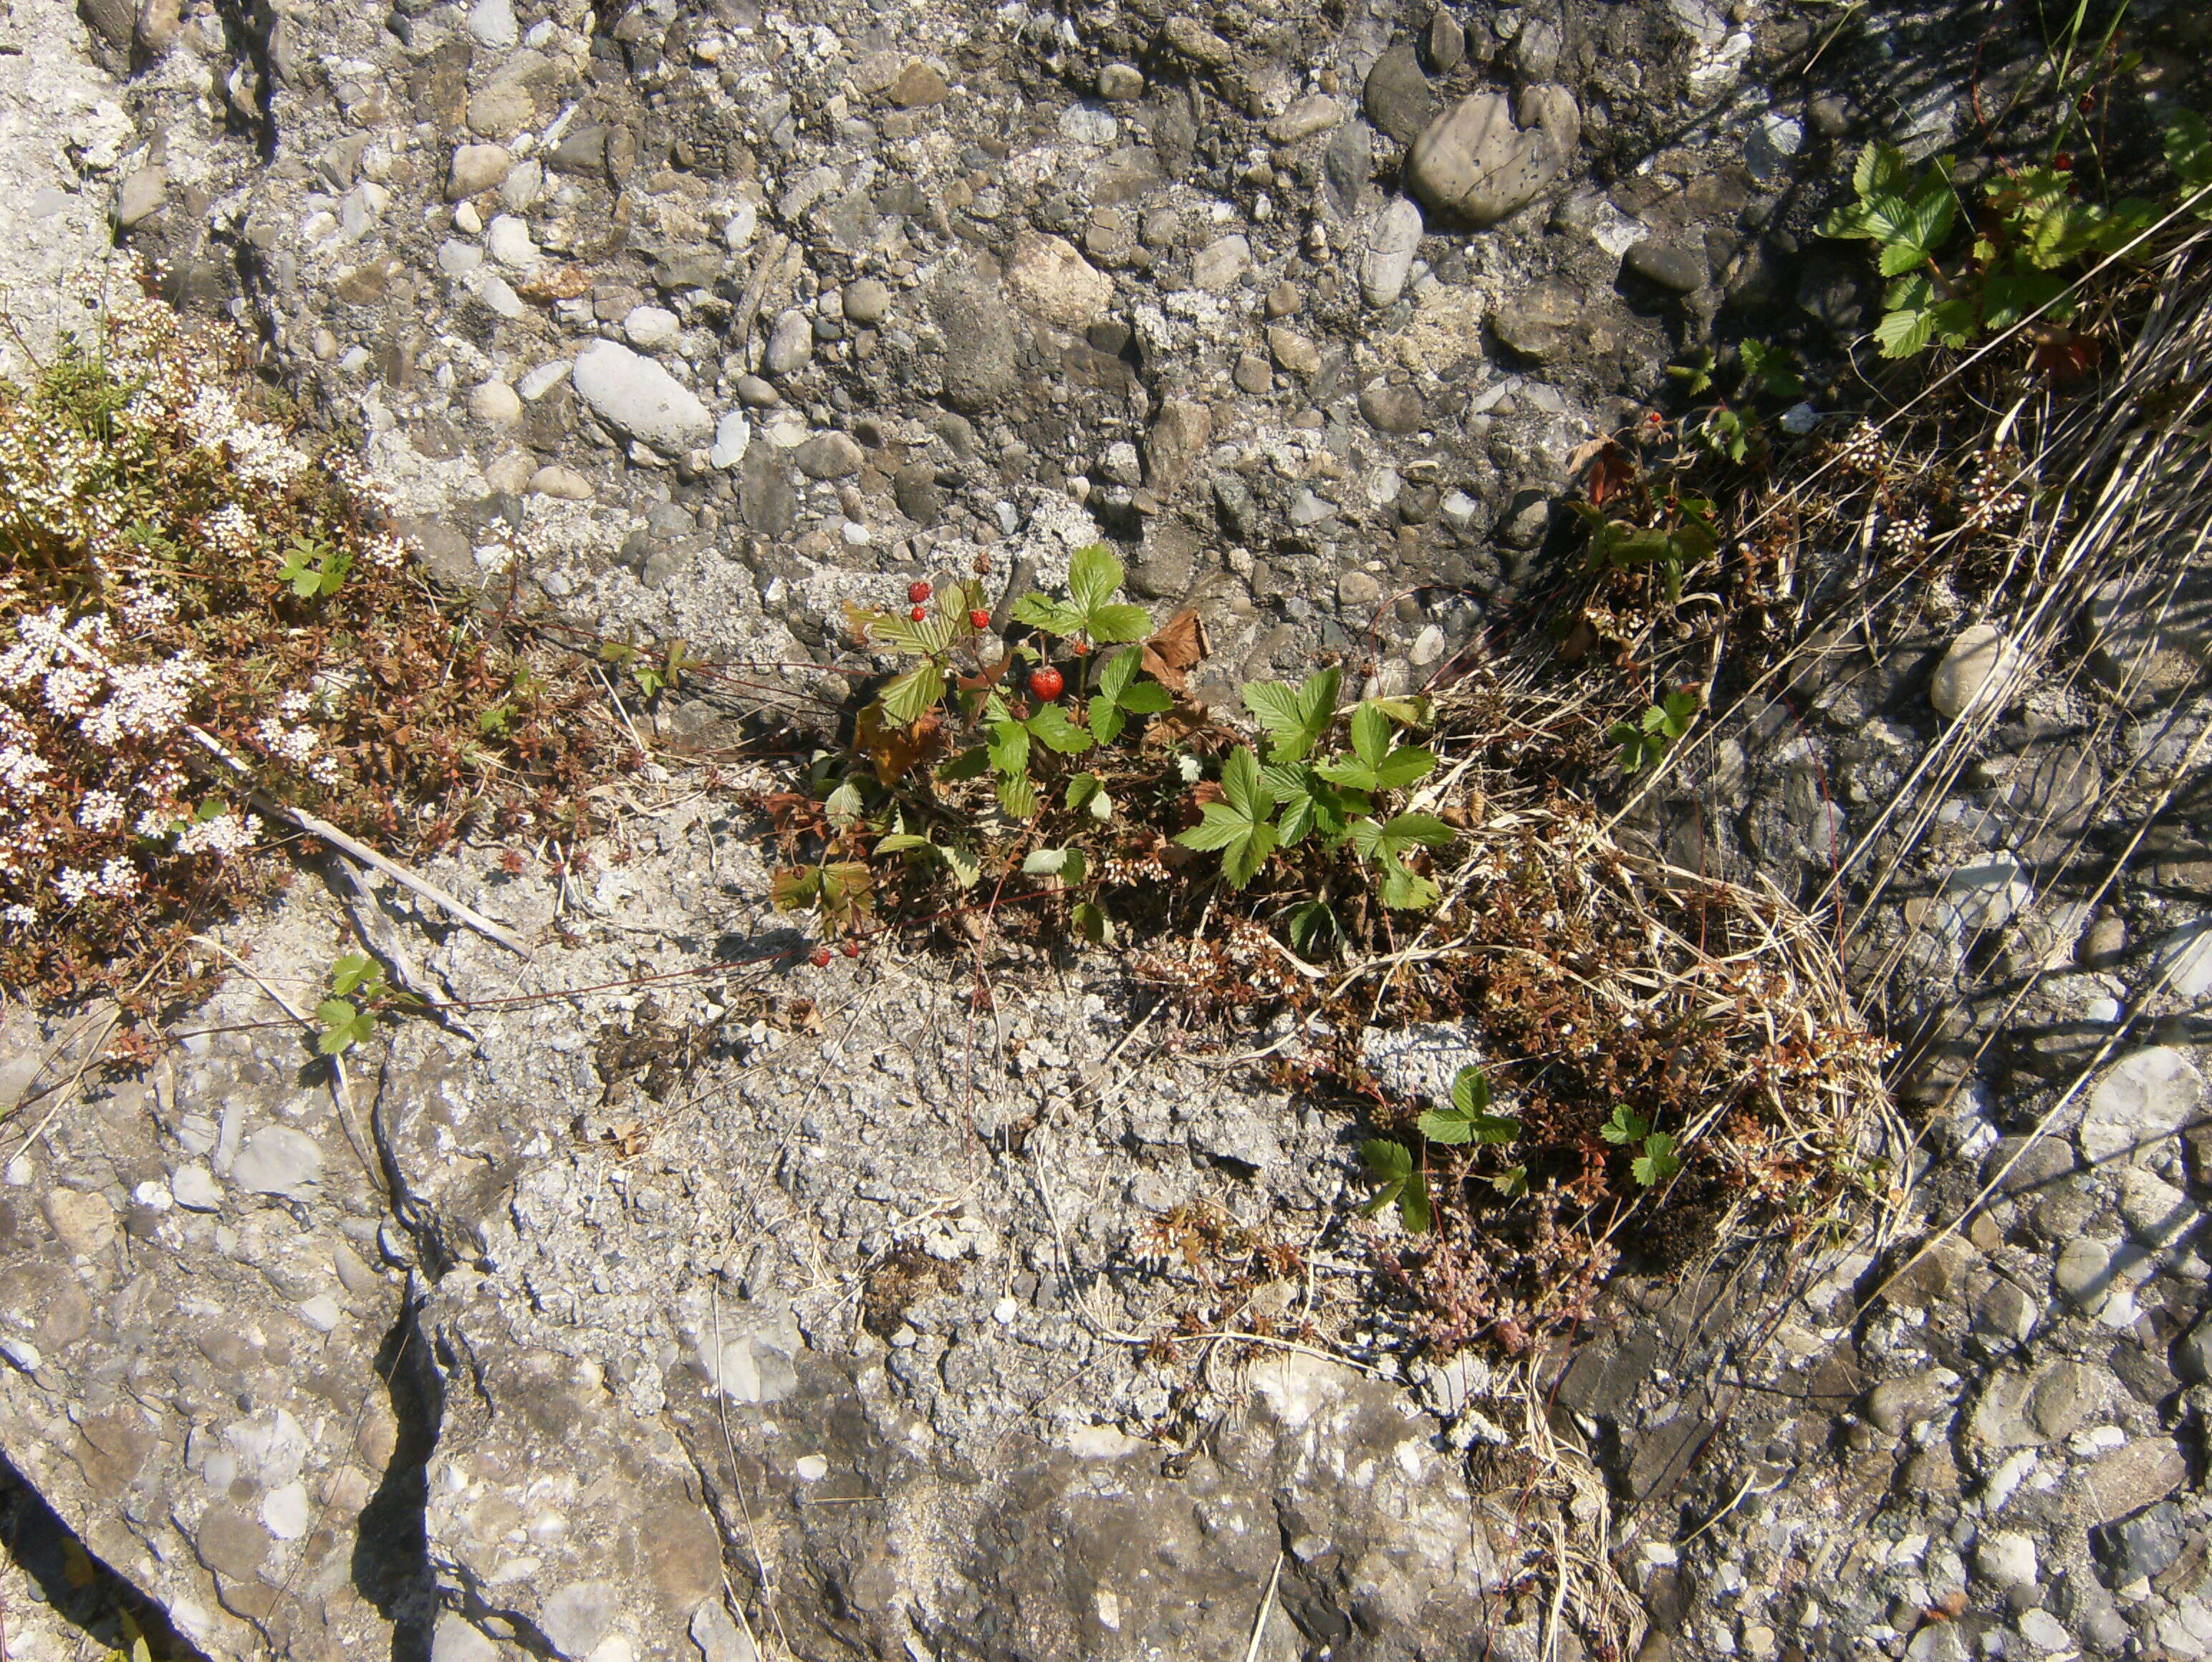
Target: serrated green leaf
{"points": [[1107, 720], [908, 698], [1470, 1091], [1879, 167], [1402, 766], [1625, 1127], [1042, 612], [1240, 863], [1512, 1183], [1146, 698], [1051, 728], [1406, 889], [967, 765], [1123, 622], [1081, 788], [1294, 718], [1308, 918], [903, 842], [1092, 924], [1045, 862], [1658, 1161], [1115, 674], [1406, 830], [1093, 576], [1242, 785], [1370, 734], [962, 862], [1018, 796], [1220, 826], [1414, 1210], [350, 971], [843, 805], [2189, 148], [342, 1026], [1446, 1128], [1905, 331], [1008, 742]]}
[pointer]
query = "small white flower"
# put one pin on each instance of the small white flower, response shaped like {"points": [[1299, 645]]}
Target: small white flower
{"points": [[102, 810]]}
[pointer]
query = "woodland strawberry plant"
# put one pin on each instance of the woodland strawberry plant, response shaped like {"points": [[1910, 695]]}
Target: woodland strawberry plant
{"points": [[1073, 755]]}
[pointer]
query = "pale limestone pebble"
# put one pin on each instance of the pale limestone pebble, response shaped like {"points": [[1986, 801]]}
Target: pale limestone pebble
{"points": [[477, 168], [651, 328], [865, 301], [277, 1159], [564, 484], [511, 471], [497, 402], [1391, 239], [2141, 1105], [82, 1219], [1979, 667], [1477, 161], [639, 397], [1049, 278], [492, 24], [195, 1189], [1318, 113], [543, 380], [733, 435], [507, 240], [790, 345], [1222, 264]]}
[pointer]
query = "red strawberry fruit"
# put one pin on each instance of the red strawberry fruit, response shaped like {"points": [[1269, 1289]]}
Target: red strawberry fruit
{"points": [[979, 618], [820, 957], [1047, 682], [918, 614], [917, 591], [852, 949]]}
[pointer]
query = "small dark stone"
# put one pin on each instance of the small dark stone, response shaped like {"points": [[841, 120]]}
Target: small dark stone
{"points": [[1233, 501], [1391, 409], [2142, 1546], [1544, 322], [914, 488], [767, 499], [1446, 41], [1670, 265], [1348, 165], [1396, 96], [581, 150]]}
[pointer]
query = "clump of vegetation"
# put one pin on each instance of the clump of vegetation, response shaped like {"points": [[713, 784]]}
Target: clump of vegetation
{"points": [[206, 621], [1340, 868], [2036, 228]]}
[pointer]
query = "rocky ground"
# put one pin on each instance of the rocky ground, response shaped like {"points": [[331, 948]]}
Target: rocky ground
{"points": [[570, 1332]]}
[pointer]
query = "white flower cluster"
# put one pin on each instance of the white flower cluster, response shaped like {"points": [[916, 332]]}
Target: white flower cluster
{"points": [[359, 484], [100, 811], [389, 551], [293, 745], [22, 845], [149, 701], [116, 879], [1994, 496], [224, 835], [145, 608], [1861, 451], [230, 531], [257, 450]]}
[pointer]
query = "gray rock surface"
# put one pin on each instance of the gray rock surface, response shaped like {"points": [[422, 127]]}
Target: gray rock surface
{"points": [[854, 1326], [639, 397]]}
